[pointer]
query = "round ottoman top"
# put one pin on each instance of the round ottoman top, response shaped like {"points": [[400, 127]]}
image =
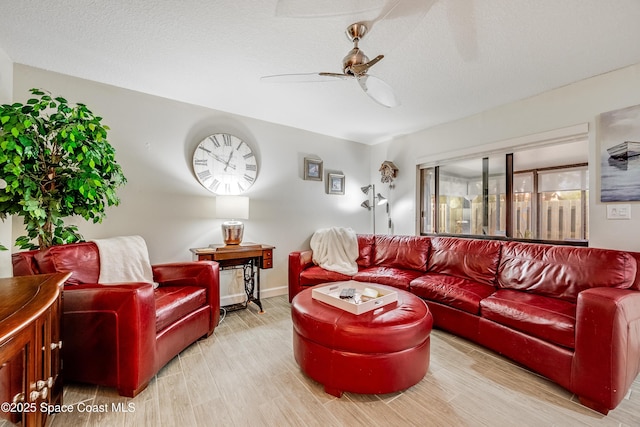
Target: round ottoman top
{"points": [[394, 327]]}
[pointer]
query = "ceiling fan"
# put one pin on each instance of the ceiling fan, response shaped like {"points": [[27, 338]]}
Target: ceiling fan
{"points": [[355, 66]]}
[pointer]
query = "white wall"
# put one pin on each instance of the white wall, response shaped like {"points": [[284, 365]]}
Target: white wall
{"points": [[6, 85], [577, 103], [154, 140]]}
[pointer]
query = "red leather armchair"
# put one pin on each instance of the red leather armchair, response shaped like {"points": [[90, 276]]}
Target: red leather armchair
{"points": [[122, 335]]}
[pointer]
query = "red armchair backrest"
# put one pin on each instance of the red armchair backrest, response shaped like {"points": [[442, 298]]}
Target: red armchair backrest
{"points": [[82, 259], [24, 263]]}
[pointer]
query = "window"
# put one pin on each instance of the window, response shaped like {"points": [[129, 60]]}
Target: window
{"points": [[427, 200], [489, 196], [564, 194]]}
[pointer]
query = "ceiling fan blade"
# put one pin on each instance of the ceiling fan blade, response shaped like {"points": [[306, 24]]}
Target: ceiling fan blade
{"points": [[360, 69], [325, 8], [462, 21], [337, 75], [378, 90], [303, 78], [395, 22], [384, 13]]}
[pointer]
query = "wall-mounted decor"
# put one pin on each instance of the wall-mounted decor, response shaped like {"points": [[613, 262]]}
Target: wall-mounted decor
{"points": [[335, 183], [312, 169], [619, 136], [224, 164], [388, 172]]}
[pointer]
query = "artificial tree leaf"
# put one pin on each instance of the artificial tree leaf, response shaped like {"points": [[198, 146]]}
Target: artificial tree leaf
{"points": [[57, 163]]}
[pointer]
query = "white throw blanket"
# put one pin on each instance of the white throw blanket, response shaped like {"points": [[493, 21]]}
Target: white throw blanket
{"points": [[336, 249], [124, 259]]}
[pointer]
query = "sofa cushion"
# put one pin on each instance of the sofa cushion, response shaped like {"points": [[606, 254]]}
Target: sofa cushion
{"points": [[472, 259], [550, 319], [174, 302], [316, 275], [456, 292], [409, 252], [563, 271], [365, 250], [82, 259], [396, 277]]}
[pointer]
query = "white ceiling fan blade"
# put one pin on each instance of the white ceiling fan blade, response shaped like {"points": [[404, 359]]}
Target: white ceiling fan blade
{"points": [[395, 22], [325, 8], [386, 11], [378, 90], [462, 21], [303, 78]]}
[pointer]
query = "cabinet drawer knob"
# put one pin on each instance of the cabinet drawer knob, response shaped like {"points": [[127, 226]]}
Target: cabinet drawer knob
{"points": [[42, 394]]}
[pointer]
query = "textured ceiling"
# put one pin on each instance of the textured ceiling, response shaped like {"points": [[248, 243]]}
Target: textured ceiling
{"points": [[447, 61]]}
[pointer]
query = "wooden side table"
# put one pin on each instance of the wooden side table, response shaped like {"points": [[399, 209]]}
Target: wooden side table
{"points": [[251, 257]]}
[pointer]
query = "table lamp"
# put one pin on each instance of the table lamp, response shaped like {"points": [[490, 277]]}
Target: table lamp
{"points": [[232, 208]]}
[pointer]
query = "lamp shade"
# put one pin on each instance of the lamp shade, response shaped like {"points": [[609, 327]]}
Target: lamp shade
{"points": [[232, 207]]}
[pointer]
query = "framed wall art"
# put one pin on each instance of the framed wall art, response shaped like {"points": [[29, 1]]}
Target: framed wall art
{"points": [[312, 169], [619, 137], [335, 183]]}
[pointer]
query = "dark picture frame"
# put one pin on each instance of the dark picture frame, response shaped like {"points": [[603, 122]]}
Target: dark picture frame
{"points": [[335, 183], [619, 138], [312, 169]]}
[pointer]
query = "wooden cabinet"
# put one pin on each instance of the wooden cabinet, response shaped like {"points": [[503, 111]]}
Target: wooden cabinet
{"points": [[30, 343]]}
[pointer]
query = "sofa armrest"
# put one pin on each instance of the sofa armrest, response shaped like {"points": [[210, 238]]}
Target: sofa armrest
{"points": [[607, 351], [298, 261], [109, 335], [204, 274]]}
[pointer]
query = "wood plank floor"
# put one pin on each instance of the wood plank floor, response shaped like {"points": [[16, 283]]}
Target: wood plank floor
{"points": [[245, 375]]}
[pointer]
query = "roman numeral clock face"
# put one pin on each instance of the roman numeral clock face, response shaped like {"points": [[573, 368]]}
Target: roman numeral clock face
{"points": [[224, 164]]}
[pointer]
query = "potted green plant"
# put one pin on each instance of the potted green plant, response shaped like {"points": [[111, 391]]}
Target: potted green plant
{"points": [[57, 162]]}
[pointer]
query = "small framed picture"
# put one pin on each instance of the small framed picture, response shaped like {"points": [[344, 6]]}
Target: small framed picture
{"points": [[312, 169], [335, 183]]}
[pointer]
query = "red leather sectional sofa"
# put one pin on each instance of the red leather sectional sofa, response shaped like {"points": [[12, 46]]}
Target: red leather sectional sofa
{"points": [[122, 335], [571, 314]]}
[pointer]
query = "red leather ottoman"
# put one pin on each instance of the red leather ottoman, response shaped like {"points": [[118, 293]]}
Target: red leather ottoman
{"points": [[377, 352]]}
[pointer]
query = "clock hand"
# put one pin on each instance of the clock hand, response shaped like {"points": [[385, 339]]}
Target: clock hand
{"points": [[227, 163], [221, 160]]}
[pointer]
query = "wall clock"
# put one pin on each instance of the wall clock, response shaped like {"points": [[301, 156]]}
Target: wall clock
{"points": [[224, 164]]}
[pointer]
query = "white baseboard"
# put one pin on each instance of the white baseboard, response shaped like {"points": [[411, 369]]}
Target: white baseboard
{"points": [[241, 297]]}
